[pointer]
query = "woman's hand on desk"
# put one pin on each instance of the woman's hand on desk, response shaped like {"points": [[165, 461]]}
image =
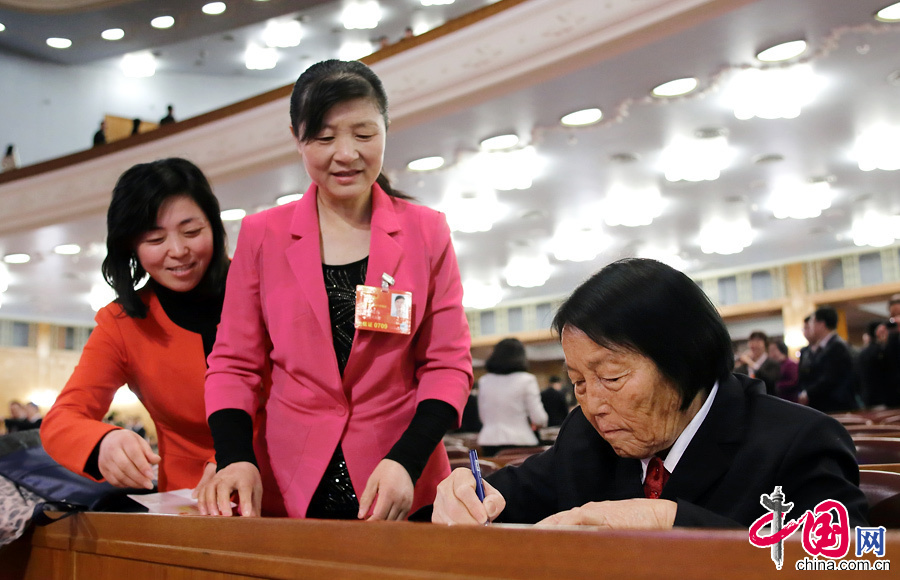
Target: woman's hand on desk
{"points": [[391, 484], [626, 514], [126, 459], [458, 503], [214, 497]]}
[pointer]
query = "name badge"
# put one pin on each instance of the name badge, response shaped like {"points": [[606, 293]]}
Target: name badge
{"points": [[382, 311]]}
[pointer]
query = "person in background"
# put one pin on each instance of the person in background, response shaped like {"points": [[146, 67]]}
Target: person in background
{"points": [[17, 417], [554, 400], [135, 126], [667, 434], [357, 413], [32, 416], [10, 159], [828, 380], [509, 400], [169, 118], [786, 386], [163, 222], [100, 135], [755, 363]]}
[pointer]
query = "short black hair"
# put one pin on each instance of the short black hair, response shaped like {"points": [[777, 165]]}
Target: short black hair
{"points": [[507, 357], [782, 348], [828, 315], [136, 199], [621, 306], [759, 335]]}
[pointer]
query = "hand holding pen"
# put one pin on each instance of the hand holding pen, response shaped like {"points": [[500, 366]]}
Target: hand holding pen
{"points": [[464, 498]]}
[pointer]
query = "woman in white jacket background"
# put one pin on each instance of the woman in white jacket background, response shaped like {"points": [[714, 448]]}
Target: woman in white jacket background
{"points": [[509, 400]]}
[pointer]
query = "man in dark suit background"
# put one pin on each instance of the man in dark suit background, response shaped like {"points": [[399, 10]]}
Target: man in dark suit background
{"points": [[828, 379]]}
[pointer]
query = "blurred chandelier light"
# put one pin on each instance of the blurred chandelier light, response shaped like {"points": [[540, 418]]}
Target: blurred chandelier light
{"points": [[67, 249], [782, 52], [503, 170], [725, 237], [801, 200], [361, 15], [355, 49], [162, 22], [574, 244], [285, 199], [627, 206], [426, 163], [284, 34], [774, 93], [876, 230], [16, 258], [527, 268], [675, 88], [582, 118], [112, 34], [59, 42], [889, 13], [138, 65], [260, 58], [472, 212], [668, 256], [696, 159], [876, 148], [101, 295], [213, 8], [499, 143], [233, 215], [481, 295]]}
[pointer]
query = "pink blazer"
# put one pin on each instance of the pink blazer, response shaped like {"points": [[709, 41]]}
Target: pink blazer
{"points": [[276, 314]]}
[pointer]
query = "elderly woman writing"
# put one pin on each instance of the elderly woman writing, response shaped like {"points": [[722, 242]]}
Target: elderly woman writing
{"points": [[667, 436]]}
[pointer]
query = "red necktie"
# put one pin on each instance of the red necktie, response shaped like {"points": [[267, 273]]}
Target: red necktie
{"points": [[656, 478]]}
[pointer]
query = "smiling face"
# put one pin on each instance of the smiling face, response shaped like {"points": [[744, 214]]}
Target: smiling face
{"points": [[346, 157], [177, 252], [625, 397]]}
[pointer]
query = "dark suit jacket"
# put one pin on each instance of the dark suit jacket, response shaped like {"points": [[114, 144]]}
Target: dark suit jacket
{"points": [[748, 443], [829, 377]]}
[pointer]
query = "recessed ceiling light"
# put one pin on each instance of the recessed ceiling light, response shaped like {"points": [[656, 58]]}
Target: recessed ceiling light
{"points": [[59, 42], [783, 51], [289, 197], [361, 15], [582, 117], [260, 57], [112, 34], [162, 22], [889, 13], [67, 249], [2, 28], [214, 8], [425, 163], [675, 88], [285, 34], [500, 142], [16, 258], [231, 215]]}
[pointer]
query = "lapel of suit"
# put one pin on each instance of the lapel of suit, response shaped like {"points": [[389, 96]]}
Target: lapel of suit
{"points": [[711, 451], [304, 254], [384, 248]]}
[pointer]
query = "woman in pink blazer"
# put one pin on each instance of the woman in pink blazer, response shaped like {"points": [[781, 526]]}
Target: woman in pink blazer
{"points": [[355, 416]]}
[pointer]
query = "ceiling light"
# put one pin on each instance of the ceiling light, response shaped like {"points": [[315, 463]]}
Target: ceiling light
{"points": [[668, 256], [500, 142], [67, 249], [285, 199], [260, 58], [481, 295], [162, 22], [582, 117], [675, 88], [578, 244], [355, 49], [4, 278], [503, 170], [876, 230], [2, 28], [231, 215], [782, 52], [889, 13], [725, 236], [425, 164], [472, 212], [59, 42], [632, 206], [776, 93], [801, 200], [16, 258], [436, 2], [361, 15], [527, 268], [876, 148], [113, 34], [138, 65], [214, 8], [696, 159], [283, 34]]}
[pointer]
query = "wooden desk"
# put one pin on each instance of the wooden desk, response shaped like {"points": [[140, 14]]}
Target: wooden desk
{"points": [[135, 546]]}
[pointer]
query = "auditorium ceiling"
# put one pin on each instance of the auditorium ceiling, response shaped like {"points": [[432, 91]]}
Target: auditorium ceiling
{"points": [[566, 188]]}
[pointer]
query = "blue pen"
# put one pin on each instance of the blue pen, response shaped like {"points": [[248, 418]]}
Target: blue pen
{"points": [[476, 471]]}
